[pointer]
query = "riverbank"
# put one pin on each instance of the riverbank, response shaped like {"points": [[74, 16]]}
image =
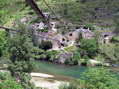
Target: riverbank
{"points": [[48, 81]]}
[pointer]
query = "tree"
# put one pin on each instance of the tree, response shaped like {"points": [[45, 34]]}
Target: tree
{"points": [[3, 41], [110, 52], [88, 47], [76, 57], [20, 51], [45, 45]]}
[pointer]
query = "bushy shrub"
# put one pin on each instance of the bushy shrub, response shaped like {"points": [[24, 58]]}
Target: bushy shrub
{"points": [[7, 82], [110, 52], [99, 78], [45, 45], [88, 47], [4, 76], [76, 57], [10, 84], [52, 55]]}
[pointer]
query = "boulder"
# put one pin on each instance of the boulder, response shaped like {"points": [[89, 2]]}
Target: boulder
{"points": [[93, 62]]}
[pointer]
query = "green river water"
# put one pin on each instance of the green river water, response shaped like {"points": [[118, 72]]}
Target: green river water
{"points": [[55, 69], [63, 70]]}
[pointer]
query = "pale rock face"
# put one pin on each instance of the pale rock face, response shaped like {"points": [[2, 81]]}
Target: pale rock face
{"points": [[106, 40], [106, 64], [55, 45], [94, 62], [53, 26], [47, 15], [40, 25], [25, 20], [106, 37], [71, 43], [54, 29]]}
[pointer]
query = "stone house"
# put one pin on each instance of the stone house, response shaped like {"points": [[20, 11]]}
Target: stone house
{"points": [[53, 25], [79, 33], [106, 37], [86, 33], [72, 37], [59, 41], [56, 41]]}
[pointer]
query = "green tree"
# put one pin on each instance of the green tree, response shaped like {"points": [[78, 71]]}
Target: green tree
{"points": [[7, 82], [110, 52], [88, 47], [20, 51], [3, 42], [76, 57], [52, 55], [45, 45]]}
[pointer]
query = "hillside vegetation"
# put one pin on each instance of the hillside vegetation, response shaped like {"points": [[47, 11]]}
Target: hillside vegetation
{"points": [[64, 32]]}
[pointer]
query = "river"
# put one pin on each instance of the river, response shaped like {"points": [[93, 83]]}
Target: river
{"points": [[57, 69]]}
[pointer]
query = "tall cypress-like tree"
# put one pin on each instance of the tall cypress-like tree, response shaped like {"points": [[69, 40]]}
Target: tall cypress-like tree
{"points": [[20, 51]]}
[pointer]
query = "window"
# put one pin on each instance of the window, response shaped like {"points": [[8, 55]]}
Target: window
{"points": [[70, 34], [63, 39]]}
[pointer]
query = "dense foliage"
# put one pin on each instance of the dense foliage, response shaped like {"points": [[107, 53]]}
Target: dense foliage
{"points": [[88, 47], [20, 55], [20, 50], [95, 78], [110, 52], [45, 45], [3, 42], [7, 82]]}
